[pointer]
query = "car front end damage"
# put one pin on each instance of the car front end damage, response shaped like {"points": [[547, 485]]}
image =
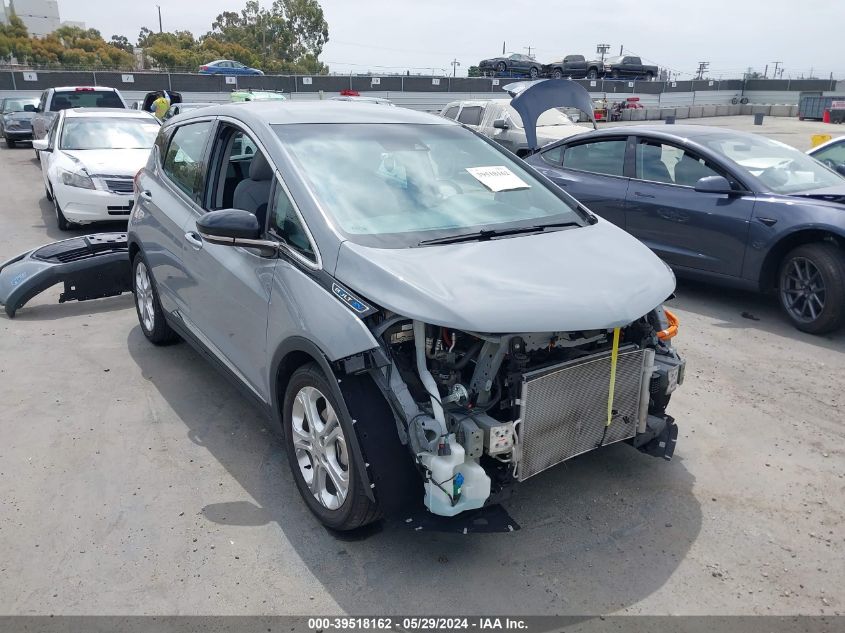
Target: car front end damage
{"points": [[481, 412]]}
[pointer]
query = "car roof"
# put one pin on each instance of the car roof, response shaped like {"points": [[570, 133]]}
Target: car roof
{"points": [[107, 112], [327, 111], [74, 88], [834, 141], [691, 132]]}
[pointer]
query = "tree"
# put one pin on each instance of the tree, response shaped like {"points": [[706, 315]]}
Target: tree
{"points": [[474, 71], [122, 42]]}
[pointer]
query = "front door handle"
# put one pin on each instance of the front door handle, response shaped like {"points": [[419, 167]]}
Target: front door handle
{"points": [[146, 195], [768, 221], [640, 194], [194, 239]]}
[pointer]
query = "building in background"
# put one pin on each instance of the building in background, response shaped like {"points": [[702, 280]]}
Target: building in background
{"points": [[40, 16]]}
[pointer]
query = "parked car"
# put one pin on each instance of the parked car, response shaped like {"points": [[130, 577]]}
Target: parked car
{"points": [[54, 100], [403, 352], [514, 63], [228, 67], [628, 67], [570, 67], [89, 159], [725, 206], [832, 154], [16, 115], [502, 122], [257, 95], [361, 99], [179, 108]]}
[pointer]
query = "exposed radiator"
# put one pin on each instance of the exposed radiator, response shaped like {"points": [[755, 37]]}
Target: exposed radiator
{"points": [[564, 408]]}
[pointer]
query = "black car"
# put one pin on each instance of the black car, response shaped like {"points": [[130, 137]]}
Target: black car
{"points": [[571, 67], [514, 63], [730, 207], [16, 119], [628, 67]]}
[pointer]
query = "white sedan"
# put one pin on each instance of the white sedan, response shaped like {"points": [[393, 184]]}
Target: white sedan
{"points": [[89, 159]]}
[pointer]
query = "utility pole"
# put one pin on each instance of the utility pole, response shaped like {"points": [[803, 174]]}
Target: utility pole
{"points": [[775, 74], [160, 30], [602, 49], [620, 50], [455, 64], [503, 47], [528, 48], [702, 66]]}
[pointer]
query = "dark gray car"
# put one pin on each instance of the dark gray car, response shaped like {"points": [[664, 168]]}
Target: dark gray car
{"points": [[428, 319], [725, 206], [16, 115]]}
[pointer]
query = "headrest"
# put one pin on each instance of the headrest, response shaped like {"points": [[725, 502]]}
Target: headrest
{"points": [[259, 168]]}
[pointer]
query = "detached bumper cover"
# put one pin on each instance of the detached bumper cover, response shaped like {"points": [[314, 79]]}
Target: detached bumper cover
{"points": [[91, 267]]}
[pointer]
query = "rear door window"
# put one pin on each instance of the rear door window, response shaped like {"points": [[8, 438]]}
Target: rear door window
{"points": [[452, 112], [471, 115], [184, 163], [62, 100], [599, 157]]}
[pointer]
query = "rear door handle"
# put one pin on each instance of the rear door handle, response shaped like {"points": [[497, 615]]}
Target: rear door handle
{"points": [[194, 239], [640, 194]]}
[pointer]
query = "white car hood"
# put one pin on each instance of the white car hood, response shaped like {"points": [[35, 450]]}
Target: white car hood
{"points": [[110, 162], [595, 277]]}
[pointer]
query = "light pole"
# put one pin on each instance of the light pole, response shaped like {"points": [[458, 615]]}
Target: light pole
{"points": [[602, 50], [455, 64], [160, 30]]}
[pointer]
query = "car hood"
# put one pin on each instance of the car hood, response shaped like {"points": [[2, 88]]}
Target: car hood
{"points": [[532, 98], [834, 195], [586, 278], [19, 116], [116, 162]]}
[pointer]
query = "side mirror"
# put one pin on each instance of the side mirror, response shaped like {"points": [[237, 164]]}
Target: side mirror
{"points": [[500, 124], [235, 227], [37, 109], [714, 184], [41, 145], [29, 108]]}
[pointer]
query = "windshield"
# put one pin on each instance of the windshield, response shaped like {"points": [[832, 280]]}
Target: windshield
{"points": [[108, 133], [85, 98], [549, 117], [393, 185], [17, 105], [783, 169]]}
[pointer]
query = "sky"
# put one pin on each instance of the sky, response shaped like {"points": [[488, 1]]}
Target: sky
{"points": [[426, 36]]}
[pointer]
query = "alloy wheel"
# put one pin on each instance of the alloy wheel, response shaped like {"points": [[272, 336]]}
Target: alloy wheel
{"points": [[803, 290], [320, 447], [144, 297]]}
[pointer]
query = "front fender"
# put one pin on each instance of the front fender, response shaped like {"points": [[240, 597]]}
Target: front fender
{"points": [[91, 267]]}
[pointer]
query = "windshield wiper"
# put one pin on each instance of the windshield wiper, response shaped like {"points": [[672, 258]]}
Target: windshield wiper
{"points": [[488, 234]]}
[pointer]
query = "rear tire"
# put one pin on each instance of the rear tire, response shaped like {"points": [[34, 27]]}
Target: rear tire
{"points": [[593, 73], [147, 305], [534, 72], [501, 67], [325, 470], [557, 73], [811, 287]]}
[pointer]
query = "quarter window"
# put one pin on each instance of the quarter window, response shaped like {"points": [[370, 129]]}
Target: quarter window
{"points": [[471, 115], [553, 156], [600, 157], [183, 163], [285, 223]]}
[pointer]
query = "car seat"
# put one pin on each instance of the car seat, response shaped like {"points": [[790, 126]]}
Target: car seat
{"points": [[652, 166], [689, 170], [60, 103], [252, 194]]}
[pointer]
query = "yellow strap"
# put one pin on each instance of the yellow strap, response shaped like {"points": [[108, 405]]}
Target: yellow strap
{"points": [[614, 356]]}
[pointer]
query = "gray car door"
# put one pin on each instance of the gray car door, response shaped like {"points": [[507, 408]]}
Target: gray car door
{"points": [[227, 296], [686, 228], [165, 201], [592, 172]]}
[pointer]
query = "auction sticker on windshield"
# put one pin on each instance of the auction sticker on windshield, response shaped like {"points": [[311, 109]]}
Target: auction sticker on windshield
{"points": [[498, 178]]}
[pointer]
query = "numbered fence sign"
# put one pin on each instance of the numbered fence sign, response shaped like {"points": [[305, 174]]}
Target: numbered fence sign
{"points": [[30, 76], [376, 81], [495, 82], [306, 81], [128, 79], [232, 80], [435, 82]]}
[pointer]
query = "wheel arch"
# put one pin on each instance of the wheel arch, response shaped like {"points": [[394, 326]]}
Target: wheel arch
{"points": [[769, 270]]}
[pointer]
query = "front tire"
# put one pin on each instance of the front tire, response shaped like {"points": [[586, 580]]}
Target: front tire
{"points": [[501, 67], [61, 221], [811, 287], [9, 143], [325, 470], [557, 74], [593, 73], [534, 72], [147, 304]]}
